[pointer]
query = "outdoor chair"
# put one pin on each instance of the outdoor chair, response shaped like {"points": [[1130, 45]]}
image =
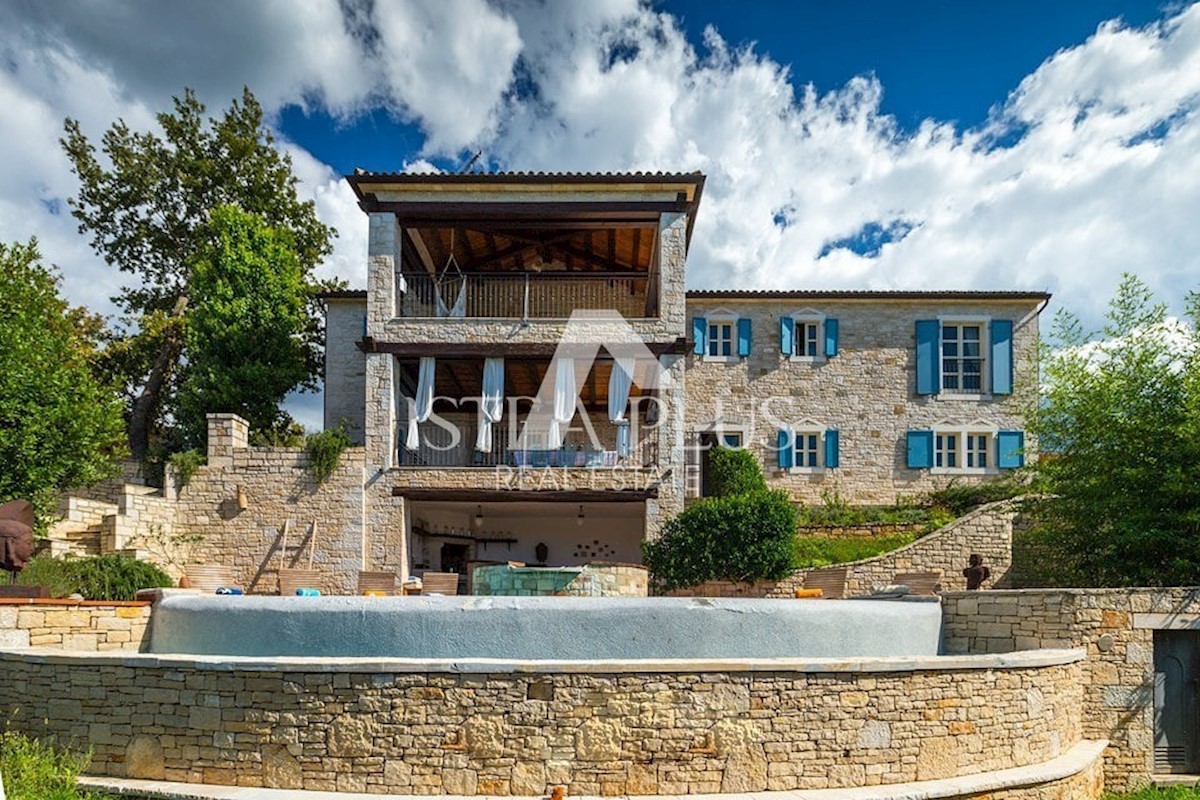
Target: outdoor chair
{"points": [[919, 583], [439, 583], [209, 577], [831, 581], [292, 579], [376, 582]]}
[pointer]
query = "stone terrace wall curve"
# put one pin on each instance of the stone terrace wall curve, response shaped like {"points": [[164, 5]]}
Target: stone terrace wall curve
{"points": [[987, 531], [519, 728]]}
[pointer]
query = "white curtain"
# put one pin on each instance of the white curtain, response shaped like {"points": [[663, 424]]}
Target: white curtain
{"points": [[564, 401], [422, 405], [620, 380], [491, 402]]}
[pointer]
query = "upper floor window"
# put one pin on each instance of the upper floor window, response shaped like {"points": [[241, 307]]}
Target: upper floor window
{"points": [[962, 357], [808, 336], [720, 338]]}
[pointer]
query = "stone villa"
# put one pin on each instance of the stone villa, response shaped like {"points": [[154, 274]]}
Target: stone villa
{"points": [[467, 319]]}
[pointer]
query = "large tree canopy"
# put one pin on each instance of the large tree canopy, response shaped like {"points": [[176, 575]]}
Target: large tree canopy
{"points": [[146, 206], [1119, 425], [59, 427], [243, 335]]}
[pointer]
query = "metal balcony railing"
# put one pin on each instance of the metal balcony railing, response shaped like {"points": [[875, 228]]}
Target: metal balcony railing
{"points": [[528, 295]]}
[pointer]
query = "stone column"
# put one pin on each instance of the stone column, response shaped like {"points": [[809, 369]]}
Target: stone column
{"points": [[226, 433], [672, 270], [383, 259]]}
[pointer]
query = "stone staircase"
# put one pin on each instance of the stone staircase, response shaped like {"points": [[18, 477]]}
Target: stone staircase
{"points": [[91, 526]]}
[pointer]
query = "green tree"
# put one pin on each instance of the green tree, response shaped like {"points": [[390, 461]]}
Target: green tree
{"points": [[146, 207], [59, 426], [1119, 424], [244, 334]]}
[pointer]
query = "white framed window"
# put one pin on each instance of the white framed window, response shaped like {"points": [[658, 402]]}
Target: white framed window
{"points": [[730, 439], [808, 455], [808, 331], [720, 338], [963, 356], [964, 449]]}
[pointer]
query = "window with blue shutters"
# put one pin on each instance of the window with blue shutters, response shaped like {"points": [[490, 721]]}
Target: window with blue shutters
{"points": [[808, 449], [808, 336], [1010, 449], [721, 336], [743, 330], [920, 449], [966, 449]]}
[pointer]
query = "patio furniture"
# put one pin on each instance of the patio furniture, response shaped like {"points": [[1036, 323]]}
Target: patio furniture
{"points": [[920, 583], [439, 583], [209, 577], [830, 580], [293, 578], [376, 582]]}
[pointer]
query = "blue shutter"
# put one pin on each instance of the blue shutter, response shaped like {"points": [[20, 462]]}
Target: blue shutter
{"points": [[699, 335], [786, 327], [1002, 356], [785, 450], [929, 379], [1010, 449], [831, 449], [831, 338], [920, 449], [743, 337]]}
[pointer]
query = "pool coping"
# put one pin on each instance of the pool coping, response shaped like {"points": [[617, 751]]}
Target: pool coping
{"points": [[1079, 757], [1021, 659]]}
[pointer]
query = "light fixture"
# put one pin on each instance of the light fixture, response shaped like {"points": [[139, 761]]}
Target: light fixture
{"points": [[478, 516], [579, 519]]}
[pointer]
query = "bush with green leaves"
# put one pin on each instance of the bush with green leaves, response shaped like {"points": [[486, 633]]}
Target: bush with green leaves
{"points": [[822, 551], [108, 577], [185, 464], [325, 452], [37, 770], [742, 538], [733, 471], [959, 498], [1120, 424]]}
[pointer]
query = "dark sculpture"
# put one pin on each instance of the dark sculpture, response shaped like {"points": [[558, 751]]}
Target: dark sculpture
{"points": [[16, 536], [976, 573], [541, 552]]}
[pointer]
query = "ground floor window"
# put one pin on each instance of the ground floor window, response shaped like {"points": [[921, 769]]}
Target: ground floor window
{"points": [[962, 450]]}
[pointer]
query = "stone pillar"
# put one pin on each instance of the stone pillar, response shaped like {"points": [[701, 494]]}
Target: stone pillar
{"points": [[672, 271], [673, 473], [226, 433], [383, 259]]}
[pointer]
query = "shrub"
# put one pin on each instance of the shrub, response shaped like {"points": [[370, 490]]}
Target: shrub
{"points": [[325, 452], [743, 538], [35, 770], [185, 463], [110, 577], [734, 472]]}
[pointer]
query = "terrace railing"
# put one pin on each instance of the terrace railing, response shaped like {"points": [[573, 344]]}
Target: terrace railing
{"points": [[440, 448], [528, 295]]}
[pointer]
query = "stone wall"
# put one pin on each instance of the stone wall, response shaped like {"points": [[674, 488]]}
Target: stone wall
{"points": [[73, 624], [592, 580], [345, 365], [867, 530], [867, 391], [634, 728], [987, 531], [1117, 628], [278, 487]]}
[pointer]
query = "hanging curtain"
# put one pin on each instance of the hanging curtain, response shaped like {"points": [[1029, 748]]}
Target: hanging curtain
{"points": [[564, 401], [620, 380], [491, 402], [422, 405]]}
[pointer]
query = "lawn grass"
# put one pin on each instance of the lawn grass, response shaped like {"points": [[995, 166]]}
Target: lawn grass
{"points": [[821, 551], [1159, 793]]}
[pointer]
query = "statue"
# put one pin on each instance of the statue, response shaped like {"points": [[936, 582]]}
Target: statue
{"points": [[976, 573], [16, 536]]}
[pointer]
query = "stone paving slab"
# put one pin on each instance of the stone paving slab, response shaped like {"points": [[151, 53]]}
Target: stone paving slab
{"points": [[1074, 761]]}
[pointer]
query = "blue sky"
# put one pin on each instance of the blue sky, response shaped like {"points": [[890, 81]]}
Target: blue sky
{"points": [[883, 145]]}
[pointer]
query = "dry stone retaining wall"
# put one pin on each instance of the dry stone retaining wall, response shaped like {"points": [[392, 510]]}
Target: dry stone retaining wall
{"points": [[987, 531], [1117, 628], [72, 624], [657, 731]]}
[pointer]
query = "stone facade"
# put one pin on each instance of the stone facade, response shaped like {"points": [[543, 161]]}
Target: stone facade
{"points": [[73, 624], [639, 730], [345, 365], [1115, 625], [867, 391], [593, 580], [987, 531]]}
